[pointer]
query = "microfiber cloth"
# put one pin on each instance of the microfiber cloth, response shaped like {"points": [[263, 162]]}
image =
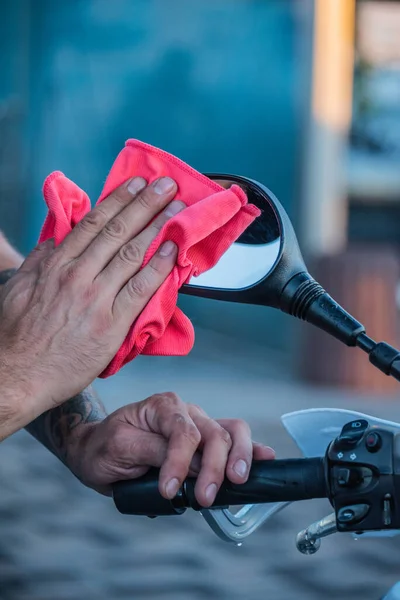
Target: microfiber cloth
{"points": [[212, 220]]}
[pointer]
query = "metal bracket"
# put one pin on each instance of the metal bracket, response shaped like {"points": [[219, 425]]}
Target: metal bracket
{"points": [[308, 541]]}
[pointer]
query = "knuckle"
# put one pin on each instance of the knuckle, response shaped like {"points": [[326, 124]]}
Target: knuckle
{"points": [[172, 398], [240, 424], [159, 223], [149, 200], [48, 263], [224, 436], [70, 274], [115, 228], [146, 200], [132, 252], [121, 196], [94, 220], [189, 430], [138, 287], [154, 269], [166, 401], [179, 420]]}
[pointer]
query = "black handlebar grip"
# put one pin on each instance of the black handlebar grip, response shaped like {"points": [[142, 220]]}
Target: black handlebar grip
{"points": [[142, 497], [273, 481], [269, 481]]}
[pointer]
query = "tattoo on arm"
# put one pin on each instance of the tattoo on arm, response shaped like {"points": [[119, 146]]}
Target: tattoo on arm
{"points": [[54, 427], [6, 275]]}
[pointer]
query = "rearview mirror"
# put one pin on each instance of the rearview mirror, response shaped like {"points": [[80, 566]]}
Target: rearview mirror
{"points": [[255, 268], [265, 266], [253, 256]]}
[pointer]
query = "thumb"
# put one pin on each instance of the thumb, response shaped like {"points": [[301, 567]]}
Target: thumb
{"points": [[144, 451]]}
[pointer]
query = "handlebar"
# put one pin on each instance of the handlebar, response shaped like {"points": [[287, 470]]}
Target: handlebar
{"points": [[359, 474], [269, 481]]}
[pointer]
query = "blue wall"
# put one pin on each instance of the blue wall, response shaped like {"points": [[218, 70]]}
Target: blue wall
{"points": [[215, 82]]}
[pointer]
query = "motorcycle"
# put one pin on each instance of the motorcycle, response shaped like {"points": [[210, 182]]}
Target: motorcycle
{"points": [[351, 459]]}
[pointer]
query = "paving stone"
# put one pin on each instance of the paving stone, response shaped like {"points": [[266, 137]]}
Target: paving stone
{"points": [[61, 541]]}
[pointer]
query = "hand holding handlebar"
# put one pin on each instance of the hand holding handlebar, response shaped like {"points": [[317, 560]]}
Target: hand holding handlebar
{"points": [[269, 481], [359, 474], [165, 432]]}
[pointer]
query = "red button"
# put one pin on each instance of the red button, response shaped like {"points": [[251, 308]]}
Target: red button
{"points": [[373, 442]]}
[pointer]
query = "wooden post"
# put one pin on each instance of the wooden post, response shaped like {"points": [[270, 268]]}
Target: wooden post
{"points": [[323, 208], [362, 278]]}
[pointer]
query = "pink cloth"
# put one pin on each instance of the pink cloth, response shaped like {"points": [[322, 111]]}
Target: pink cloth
{"points": [[213, 220]]}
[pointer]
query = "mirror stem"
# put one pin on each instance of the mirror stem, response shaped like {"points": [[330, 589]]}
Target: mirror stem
{"points": [[306, 299], [383, 356]]}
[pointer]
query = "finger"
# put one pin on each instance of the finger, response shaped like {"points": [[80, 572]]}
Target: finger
{"points": [[261, 452], [216, 444], [94, 222], [137, 453], [241, 454], [135, 295], [130, 257], [125, 226], [36, 257], [168, 415], [146, 450], [132, 456], [195, 465]]}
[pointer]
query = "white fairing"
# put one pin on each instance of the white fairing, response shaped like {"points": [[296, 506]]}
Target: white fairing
{"points": [[394, 593], [315, 428]]}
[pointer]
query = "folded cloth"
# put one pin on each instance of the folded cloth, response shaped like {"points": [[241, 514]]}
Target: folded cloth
{"points": [[212, 220]]}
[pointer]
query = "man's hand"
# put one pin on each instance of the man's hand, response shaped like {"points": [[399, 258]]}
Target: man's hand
{"points": [[162, 431], [67, 310]]}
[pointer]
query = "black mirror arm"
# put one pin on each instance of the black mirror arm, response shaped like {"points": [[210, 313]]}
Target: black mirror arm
{"points": [[291, 289]]}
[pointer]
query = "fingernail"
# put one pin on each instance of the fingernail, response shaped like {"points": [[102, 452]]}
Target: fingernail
{"points": [[240, 467], [164, 185], [167, 249], [136, 185], [172, 488], [174, 208], [211, 492]]}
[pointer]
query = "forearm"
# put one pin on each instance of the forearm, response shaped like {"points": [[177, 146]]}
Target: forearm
{"points": [[62, 429]]}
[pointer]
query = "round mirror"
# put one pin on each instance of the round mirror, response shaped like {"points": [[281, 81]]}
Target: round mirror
{"points": [[253, 256]]}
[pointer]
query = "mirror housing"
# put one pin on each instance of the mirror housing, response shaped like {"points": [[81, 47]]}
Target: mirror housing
{"points": [[287, 286], [289, 263]]}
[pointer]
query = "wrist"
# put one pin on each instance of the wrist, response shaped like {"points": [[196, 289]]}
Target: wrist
{"points": [[77, 448], [15, 410]]}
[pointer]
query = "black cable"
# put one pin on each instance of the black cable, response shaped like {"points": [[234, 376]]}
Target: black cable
{"points": [[366, 343], [382, 355]]}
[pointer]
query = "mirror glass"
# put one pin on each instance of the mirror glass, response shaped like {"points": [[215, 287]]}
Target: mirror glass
{"points": [[253, 256]]}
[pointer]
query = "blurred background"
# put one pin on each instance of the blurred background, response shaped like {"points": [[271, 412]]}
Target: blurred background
{"points": [[303, 95]]}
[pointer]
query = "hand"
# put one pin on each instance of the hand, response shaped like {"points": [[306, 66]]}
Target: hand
{"points": [[65, 313], [162, 431]]}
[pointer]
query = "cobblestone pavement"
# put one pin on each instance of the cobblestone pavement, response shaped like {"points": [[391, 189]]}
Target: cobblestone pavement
{"points": [[61, 541]]}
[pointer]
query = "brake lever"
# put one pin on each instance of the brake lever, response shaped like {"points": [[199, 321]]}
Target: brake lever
{"points": [[235, 527], [326, 424]]}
